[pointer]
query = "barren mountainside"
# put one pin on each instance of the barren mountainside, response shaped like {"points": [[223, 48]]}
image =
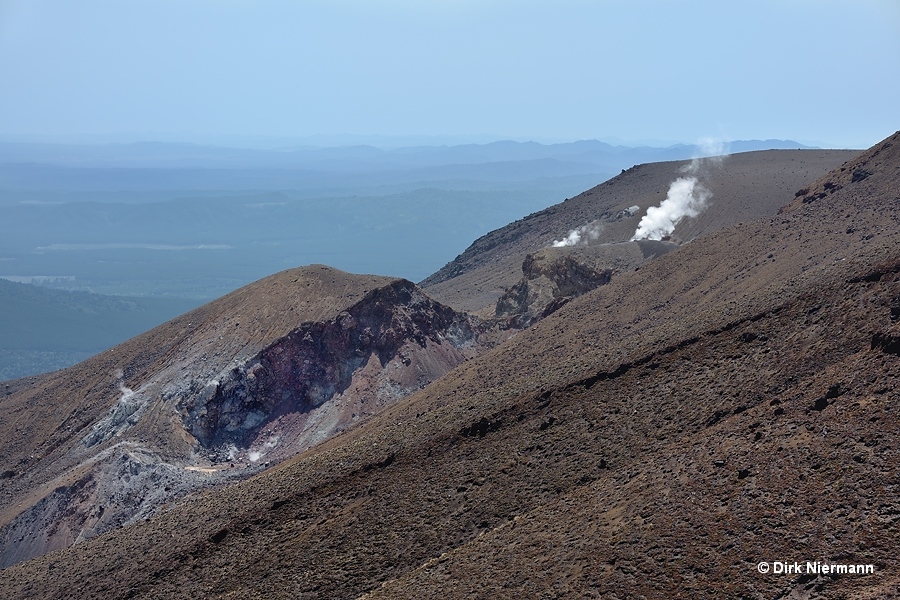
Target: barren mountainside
{"points": [[212, 396], [743, 187], [703, 409]]}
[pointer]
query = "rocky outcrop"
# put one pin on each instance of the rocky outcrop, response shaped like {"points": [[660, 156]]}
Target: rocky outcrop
{"points": [[256, 378], [553, 276], [122, 486], [404, 332], [547, 284]]}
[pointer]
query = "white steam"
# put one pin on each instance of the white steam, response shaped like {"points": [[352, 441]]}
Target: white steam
{"points": [[255, 455], [711, 151], [582, 235], [127, 392], [687, 197]]}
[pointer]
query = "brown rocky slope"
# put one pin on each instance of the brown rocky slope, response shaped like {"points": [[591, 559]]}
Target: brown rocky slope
{"points": [[728, 403], [212, 396]]}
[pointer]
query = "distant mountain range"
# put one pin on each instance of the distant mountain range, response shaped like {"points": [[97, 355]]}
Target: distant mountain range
{"points": [[166, 166]]}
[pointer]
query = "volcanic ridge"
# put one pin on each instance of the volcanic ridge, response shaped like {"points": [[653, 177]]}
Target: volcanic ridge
{"points": [[613, 418]]}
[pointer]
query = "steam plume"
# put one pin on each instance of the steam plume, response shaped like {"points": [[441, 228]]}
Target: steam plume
{"points": [[687, 197], [582, 235], [127, 392]]}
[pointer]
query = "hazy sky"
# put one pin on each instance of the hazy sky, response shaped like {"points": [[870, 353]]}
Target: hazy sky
{"points": [[820, 71]]}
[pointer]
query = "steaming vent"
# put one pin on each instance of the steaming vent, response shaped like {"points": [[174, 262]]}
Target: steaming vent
{"points": [[686, 197]]}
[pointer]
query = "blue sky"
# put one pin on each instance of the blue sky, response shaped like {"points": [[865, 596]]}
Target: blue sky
{"points": [[818, 71]]}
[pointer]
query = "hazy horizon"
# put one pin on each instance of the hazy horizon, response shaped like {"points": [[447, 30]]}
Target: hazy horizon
{"points": [[346, 140], [474, 72]]}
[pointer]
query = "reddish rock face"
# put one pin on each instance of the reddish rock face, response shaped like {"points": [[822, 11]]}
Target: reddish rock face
{"points": [[282, 366], [397, 326]]}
